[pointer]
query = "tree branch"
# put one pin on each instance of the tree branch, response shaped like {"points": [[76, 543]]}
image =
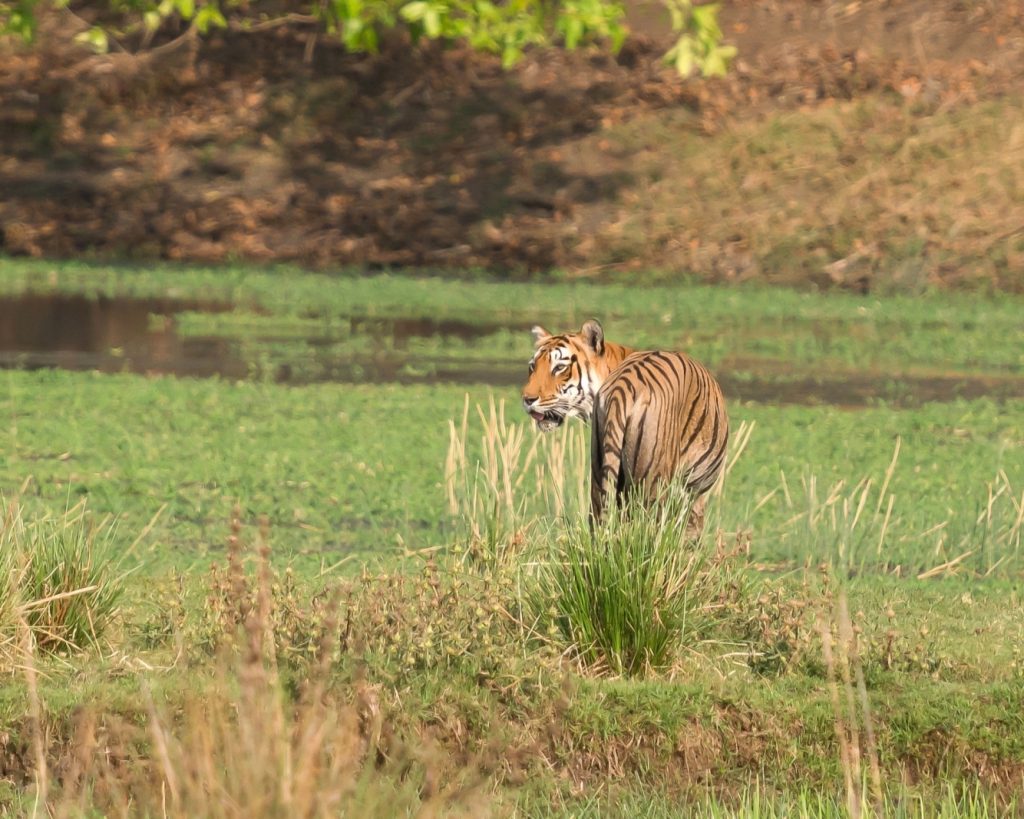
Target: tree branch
{"points": [[276, 22]]}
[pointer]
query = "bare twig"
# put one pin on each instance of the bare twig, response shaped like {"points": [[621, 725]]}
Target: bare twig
{"points": [[275, 22]]}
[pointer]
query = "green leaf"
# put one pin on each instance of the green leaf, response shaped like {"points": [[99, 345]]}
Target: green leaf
{"points": [[504, 27], [681, 56], [618, 34], [573, 33], [510, 55], [209, 16], [679, 11], [352, 34], [370, 39], [716, 64], [706, 18], [95, 38], [17, 22], [432, 23], [414, 12]]}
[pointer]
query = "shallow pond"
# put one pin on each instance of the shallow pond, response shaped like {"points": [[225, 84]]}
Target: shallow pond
{"points": [[142, 335]]}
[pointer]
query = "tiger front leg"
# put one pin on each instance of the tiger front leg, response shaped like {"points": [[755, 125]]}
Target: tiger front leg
{"points": [[604, 466], [602, 484], [598, 498]]}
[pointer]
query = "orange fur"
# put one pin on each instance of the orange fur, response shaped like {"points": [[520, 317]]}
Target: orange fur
{"points": [[657, 416]]}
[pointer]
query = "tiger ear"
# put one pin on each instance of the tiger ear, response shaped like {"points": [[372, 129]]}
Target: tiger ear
{"points": [[539, 334], [593, 334]]}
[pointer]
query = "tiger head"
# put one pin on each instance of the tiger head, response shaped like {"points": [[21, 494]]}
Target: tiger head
{"points": [[566, 372]]}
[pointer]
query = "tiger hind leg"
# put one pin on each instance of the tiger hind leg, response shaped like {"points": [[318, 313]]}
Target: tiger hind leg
{"points": [[695, 523]]}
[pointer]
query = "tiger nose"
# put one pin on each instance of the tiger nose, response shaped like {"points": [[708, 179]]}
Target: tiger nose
{"points": [[529, 400]]}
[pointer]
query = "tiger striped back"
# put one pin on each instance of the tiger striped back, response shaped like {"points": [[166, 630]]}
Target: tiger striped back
{"points": [[660, 416], [657, 416]]}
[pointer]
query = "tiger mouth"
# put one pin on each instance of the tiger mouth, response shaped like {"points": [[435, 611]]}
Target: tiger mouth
{"points": [[547, 421]]}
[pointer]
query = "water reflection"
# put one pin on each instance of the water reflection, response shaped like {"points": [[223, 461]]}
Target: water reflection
{"points": [[111, 335], [141, 335]]}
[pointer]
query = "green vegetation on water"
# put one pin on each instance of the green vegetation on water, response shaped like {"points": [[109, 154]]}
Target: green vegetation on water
{"points": [[898, 335], [917, 510]]}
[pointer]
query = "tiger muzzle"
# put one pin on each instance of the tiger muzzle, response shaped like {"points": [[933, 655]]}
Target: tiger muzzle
{"points": [[546, 421]]}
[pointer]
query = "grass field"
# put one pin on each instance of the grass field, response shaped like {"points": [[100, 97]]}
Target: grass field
{"points": [[339, 436]]}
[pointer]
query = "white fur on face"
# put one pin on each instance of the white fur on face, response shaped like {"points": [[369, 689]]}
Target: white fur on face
{"points": [[573, 399]]}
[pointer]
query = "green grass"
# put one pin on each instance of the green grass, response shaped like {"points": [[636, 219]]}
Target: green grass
{"points": [[355, 474], [701, 737], [349, 469], [805, 803]]}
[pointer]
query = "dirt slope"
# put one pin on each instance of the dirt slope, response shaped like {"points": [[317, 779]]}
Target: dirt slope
{"points": [[235, 147]]}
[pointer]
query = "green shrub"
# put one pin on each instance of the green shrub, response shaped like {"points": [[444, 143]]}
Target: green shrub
{"points": [[504, 29], [628, 593]]}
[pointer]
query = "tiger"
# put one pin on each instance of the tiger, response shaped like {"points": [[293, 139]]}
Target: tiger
{"points": [[656, 415]]}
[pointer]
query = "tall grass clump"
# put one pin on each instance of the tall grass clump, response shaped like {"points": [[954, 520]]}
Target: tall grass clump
{"points": [[503, 478], [627, 593], [58, 576]]}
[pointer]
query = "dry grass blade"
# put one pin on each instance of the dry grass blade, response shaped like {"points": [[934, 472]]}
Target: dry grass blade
{"points": [[851, 709], [945, 568], [844, 736], [511, 478], [888, 475], [738, 442], [41, 772]]}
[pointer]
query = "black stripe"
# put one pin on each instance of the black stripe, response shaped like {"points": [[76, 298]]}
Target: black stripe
{"points": [[699, 425], [637, 373], [698, 393], [666, 376], [714, 443], [639, 442], [620, 482]]}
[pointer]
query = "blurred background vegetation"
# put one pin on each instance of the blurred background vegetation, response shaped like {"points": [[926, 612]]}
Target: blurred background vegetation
{"points": [[872, 146]]}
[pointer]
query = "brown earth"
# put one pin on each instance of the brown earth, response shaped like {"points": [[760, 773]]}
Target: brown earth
{"points": [[237, 147]]}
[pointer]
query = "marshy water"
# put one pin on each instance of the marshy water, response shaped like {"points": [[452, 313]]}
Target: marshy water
{"points": [[145, 335], [110, 335]]}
